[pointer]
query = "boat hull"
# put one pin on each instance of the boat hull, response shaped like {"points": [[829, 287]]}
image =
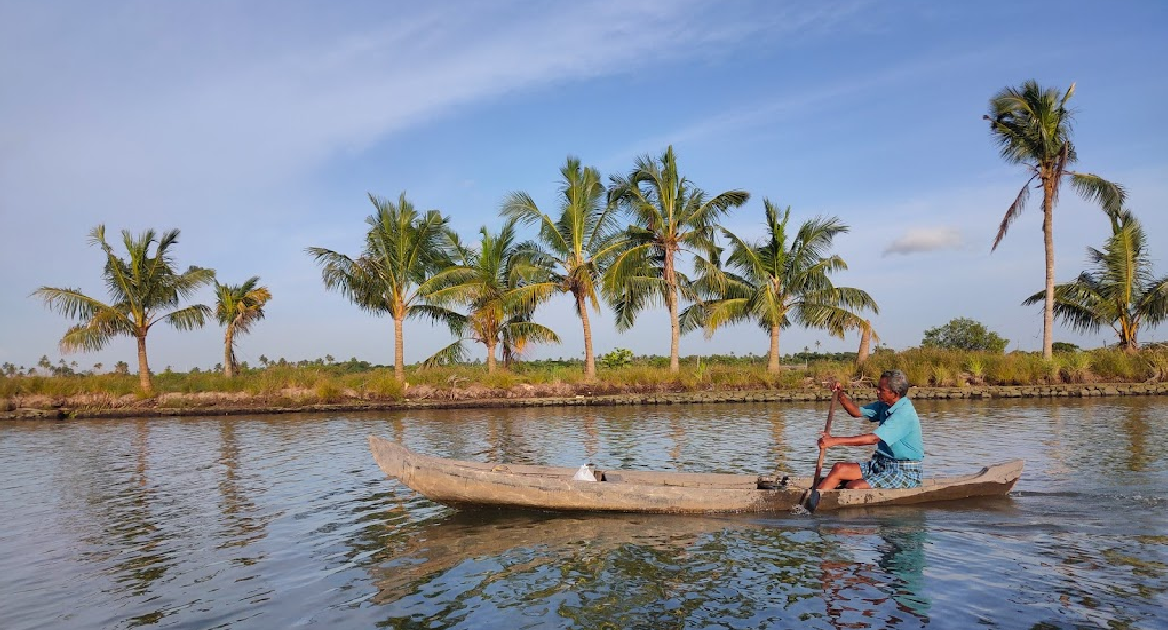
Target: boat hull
{"points": [[488, 485]]}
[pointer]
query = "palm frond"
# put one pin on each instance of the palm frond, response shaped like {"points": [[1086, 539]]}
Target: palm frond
{"points": [[530, 331], [718, 313], [1108, 195], [86, 338], [692, 318], [1012, 212], [189, 318], [520, 207], [1153, 303], [454, 321], [450, 355], [71, 303]]}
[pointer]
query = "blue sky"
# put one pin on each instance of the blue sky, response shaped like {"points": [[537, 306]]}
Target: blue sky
{"points": [[258, 129]]}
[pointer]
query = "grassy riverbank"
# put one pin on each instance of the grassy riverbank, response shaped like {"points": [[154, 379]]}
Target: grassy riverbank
{"points": [[344, 383]]}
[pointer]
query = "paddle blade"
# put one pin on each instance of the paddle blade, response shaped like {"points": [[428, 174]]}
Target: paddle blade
{"points": [[813, 501]]}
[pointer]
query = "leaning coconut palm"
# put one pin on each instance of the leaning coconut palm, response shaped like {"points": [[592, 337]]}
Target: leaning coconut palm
{"points": [[575, 247], [670, 215], [403, 250], [238, 307], [143, 289], [501, 289], [1121, 291], [1032, 127], [781, 280], [867, 336]]}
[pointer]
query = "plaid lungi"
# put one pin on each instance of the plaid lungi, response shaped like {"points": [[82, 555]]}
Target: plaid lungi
{"points": [[884, 472]]}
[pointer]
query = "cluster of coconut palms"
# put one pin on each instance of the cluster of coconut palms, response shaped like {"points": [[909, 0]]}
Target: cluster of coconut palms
{"points": [[623, 242], [620, 243], [146, 289], [1032, 127]]}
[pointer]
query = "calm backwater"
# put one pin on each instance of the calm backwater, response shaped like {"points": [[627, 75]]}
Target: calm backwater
{"points": [[286, 521]]}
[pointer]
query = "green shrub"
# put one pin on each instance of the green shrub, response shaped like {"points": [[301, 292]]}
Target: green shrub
{"points": [[1117, 365], [329, 392], [383, 384], [1077, 367], [617, 358], [942, 376], [964, 334]]}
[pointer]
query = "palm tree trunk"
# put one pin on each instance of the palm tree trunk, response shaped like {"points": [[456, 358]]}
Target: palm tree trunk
{"points": [[671, 302], [399, 352], [229, 351], [143, 364], [1048, 242], [865, 343], [589, 360], [1130, 344], [773, 361], [490, 358]]}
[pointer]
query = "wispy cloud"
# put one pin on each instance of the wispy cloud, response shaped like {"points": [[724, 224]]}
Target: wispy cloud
{"points": [[791, 102], [919, 240], [183, 104]]}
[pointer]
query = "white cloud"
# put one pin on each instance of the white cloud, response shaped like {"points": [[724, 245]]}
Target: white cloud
{"points": [[928, 239], [207, 115]]}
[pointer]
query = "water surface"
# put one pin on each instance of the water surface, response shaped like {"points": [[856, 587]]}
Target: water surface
{"points": [[285, 521]]}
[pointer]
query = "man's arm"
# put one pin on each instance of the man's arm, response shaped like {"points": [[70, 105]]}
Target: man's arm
{"points": [[867, 439], [846, 402]]}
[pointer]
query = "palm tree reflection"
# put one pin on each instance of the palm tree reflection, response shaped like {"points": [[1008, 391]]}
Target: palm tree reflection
{"points": [[236, 507], [1135, 428], [591, 435], [136, 529]]}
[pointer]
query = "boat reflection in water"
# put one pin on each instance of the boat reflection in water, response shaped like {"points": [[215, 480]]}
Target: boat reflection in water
{"points": [[627, 570], [538, 538]]}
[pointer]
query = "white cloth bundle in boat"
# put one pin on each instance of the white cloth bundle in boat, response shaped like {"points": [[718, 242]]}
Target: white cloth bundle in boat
{"points": [[585, 473]]}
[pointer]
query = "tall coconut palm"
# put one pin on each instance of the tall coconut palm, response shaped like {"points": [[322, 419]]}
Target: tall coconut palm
{"points": [[238, 307], [1120, 291], [403, 250], [576, 246], [670, 216], [781, 280], [144, 288], [501, 289], [1032, 127]]}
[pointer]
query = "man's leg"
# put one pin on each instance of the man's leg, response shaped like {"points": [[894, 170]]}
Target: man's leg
{"points": [[841, 472]]}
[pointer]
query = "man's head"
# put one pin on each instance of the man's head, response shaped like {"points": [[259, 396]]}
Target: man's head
{"points": [[892, 387]]}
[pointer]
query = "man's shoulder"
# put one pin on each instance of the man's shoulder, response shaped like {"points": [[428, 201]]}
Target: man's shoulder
{"points": [[904, 406]]}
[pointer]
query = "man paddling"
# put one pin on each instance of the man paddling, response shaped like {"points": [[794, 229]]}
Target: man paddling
{"points": [[900, 449]]}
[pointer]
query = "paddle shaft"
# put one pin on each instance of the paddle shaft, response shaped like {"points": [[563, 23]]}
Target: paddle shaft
{"points": [[827, 430]]}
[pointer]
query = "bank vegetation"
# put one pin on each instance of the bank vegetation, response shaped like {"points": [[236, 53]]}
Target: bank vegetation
{"points": [[340, 383]]}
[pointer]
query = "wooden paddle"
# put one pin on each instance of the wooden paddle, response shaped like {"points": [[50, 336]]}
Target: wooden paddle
{"points": [[813, 500]]}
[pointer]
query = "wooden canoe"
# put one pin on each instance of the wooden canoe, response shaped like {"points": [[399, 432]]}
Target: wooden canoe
{"points": [[462, 484]]}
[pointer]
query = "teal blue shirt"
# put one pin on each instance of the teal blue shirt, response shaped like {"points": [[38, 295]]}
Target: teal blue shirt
{"points": [[899, 430]]}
